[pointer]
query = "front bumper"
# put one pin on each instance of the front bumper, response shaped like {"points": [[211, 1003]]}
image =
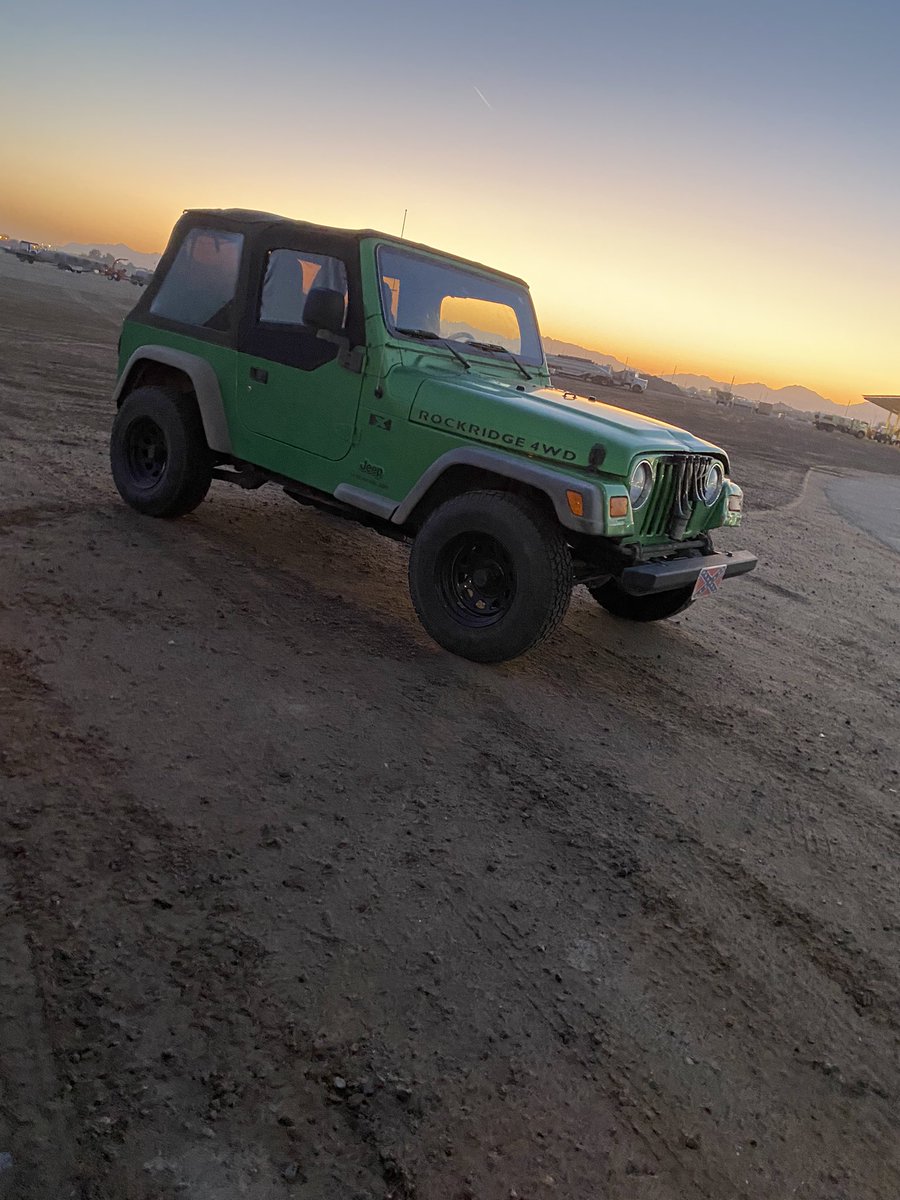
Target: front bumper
{"points": [[682, 572]]}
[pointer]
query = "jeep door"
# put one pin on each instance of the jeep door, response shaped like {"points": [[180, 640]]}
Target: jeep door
{"points": [[291, 387]]}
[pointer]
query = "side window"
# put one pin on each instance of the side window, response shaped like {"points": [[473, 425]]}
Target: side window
{"points": [[289, 278], [200, 284]]}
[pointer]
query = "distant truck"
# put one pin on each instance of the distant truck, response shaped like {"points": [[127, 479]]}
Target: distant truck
{"points": [[630, 379], [27, 252], [580, 368], [829, 422], [593, 372]]}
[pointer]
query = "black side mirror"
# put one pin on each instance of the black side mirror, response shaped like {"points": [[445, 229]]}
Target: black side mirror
{"points": [[324, 310]]}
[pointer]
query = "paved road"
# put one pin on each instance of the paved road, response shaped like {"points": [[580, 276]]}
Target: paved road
{"points": [[872, 502]]}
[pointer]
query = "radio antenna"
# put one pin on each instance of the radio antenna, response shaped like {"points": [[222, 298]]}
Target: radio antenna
{"points": [[403, 226]]}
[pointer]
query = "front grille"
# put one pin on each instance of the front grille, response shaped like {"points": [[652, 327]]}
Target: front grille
{"points": [[675, 494]]}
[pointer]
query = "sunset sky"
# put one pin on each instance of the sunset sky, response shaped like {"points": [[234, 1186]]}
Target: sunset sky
{"points": [[699, 183]]}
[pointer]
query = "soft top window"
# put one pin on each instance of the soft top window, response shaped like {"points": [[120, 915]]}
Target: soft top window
{"points": [[199, 286]]}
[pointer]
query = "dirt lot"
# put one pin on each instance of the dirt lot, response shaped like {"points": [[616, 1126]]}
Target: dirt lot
{"points": [[297, 905]]}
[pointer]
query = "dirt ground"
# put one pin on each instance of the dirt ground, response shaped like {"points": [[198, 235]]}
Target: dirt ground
{"points": [[297, 905]]}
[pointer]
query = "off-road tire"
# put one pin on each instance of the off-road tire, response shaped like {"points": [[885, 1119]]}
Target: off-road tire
{"points": [[160, 461], [657, 606], [524, 597]]}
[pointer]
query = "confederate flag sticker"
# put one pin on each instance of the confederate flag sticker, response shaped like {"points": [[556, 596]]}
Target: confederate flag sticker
{"points": [[708, 582]]}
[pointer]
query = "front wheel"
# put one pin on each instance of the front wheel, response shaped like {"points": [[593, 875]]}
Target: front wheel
{"points": [[490, 575], [160, 461], [655, 607]]}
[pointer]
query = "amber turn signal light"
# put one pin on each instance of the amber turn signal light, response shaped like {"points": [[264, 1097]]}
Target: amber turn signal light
{"points": [[576, 503], [618, 506]]}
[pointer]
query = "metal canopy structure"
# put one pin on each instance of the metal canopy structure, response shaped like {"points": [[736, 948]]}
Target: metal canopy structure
{"points": [[891, 405]]}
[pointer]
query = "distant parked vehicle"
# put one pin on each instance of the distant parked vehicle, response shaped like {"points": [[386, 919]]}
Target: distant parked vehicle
{"points": [[115, 272], [71, 262], [593, 372], [28, 252], [629, 379], [580, 368], [851, 425], [884, 435]]}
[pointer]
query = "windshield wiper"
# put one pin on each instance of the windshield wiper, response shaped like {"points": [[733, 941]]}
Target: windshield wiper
{"points": [[494, 349], [428, 335]]}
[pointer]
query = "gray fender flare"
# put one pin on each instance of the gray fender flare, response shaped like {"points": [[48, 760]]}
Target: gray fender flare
{"points": [[552, 483], [206, 389]]}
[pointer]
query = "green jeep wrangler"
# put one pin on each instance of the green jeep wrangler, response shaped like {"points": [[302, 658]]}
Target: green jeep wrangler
{"points": [[407, 389]]}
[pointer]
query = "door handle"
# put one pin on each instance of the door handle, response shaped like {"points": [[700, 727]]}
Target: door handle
{"points": [[259, 375]]}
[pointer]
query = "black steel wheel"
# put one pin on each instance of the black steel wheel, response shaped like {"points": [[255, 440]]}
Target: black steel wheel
{"points": [[160, 461], [490, 575], [146, 452], [477, 579]]}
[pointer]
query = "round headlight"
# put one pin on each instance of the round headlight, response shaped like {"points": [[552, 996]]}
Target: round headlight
{"points": [[711, 486], [640, 483]]}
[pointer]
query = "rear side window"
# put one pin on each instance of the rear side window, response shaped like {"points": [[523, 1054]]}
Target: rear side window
{"points": [[200, 284], [290, 276]]}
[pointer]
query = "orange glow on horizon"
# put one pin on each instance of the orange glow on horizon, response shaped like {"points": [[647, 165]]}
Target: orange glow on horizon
{"points": [[647, 287]]}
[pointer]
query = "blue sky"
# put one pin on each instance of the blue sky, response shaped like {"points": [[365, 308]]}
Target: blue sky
{"points": [[669, 155]]}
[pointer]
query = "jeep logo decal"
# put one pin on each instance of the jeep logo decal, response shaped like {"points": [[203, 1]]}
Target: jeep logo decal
{"points": [[371, 469]]}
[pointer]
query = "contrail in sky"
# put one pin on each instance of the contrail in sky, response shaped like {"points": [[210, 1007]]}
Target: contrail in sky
{"points": [[483, 97]]}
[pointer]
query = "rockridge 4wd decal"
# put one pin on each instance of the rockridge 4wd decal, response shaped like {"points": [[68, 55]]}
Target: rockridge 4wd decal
{"points": [[487, 433]]}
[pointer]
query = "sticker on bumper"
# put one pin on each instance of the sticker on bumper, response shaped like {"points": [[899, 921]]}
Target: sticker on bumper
{"points": [[708, 582]]}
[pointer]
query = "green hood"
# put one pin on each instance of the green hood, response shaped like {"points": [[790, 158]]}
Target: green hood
{"points": [[547, 423]]}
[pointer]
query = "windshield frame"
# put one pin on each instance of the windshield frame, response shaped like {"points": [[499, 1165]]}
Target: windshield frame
{"points": [[471, 351]]}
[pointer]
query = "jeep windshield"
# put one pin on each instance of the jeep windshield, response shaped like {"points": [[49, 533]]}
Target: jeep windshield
{"points": [[487, 316]]}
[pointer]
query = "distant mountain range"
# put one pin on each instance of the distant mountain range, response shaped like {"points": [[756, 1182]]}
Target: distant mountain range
{"points": [[138, 257], [795, 395]]}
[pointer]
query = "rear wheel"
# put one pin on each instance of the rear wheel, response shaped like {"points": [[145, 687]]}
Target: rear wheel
{"points": [[655, 607], [490, 575], [160, 461]]}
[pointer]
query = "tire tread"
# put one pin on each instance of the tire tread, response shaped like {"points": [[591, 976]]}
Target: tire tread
{"points": [[551, 538]]}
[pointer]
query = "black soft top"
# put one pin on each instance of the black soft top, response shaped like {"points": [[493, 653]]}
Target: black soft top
{"points": [[265, 222]]}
